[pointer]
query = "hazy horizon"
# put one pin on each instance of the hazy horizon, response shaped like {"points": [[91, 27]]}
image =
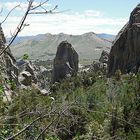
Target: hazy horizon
{"points": [[64, 33], [80, 17]]}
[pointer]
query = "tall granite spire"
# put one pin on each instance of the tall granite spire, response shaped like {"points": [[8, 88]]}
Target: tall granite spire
{"points": [[125, 52]]}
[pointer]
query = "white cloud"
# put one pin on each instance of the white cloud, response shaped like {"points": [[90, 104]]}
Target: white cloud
{"points": [[71, 23], [93, 13]]}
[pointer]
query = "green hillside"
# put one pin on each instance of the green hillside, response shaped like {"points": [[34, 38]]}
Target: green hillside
{"points": [[89, 46]]}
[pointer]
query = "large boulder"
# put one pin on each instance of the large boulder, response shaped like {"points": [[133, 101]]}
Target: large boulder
{"points": [[7, 61], [125, 52], [65, 62]]}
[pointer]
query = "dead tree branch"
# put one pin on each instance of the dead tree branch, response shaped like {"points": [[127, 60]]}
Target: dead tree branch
{"points": [[1, 10], [60, 111], [29, 125], [48, 12], [55, 119], [18, 27], [40, 5], [9, 14], [22, 24]]}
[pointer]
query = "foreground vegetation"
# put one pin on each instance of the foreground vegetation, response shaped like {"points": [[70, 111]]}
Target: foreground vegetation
{"points": [[85, 107]]}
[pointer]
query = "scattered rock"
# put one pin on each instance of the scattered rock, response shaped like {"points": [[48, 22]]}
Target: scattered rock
{"points": [[45, 92], [7, 95]]}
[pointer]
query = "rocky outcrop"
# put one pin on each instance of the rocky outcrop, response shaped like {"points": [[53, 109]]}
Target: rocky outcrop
{"points": [[96, 66], [125, 52], [43, 76], [100, 65], [27, 74], [31, 74], [8, 70], [7, 61], [65, 62], [25, 78], [104, 57]]}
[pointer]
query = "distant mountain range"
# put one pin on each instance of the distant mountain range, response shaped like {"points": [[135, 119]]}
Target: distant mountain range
{"points": [[106, 36], [42, 47]]}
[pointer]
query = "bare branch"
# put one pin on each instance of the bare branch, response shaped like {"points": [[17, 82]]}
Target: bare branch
{"points": [[55, 119], [9, 13], [29, 125], [1, 10], [45, 11], [43, 8], [42, 3], [18, 27], [49, 12], [21, 25], [61, 110]]}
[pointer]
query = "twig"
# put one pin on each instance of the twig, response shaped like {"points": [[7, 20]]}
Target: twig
{"points": [[9, 14], [21, 24], [59, 115], [29, 125], [1, 10], [19, 27], [46, 11], [49, 12], [46, 128], [40, 5]]}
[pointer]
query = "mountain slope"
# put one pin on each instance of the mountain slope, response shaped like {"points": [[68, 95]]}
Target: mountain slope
{"points": [[43, 47]]}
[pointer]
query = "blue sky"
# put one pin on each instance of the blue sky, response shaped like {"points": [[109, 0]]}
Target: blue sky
{"points": [[100, 16]]}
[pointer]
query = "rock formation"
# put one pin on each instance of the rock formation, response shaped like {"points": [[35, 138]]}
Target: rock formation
{"points": [[101, 65], [125, 52], [31, 74], [65, 62], [27, 74], [7, 61], [104, 57]]}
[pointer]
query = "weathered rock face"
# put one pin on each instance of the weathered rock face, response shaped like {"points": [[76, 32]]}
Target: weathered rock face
{"points": [[96, 66], [7, 61], [125, 52], [104, 57], [33, 74], [101, 65], [44, 76], [27, 74], [65, 62]]}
